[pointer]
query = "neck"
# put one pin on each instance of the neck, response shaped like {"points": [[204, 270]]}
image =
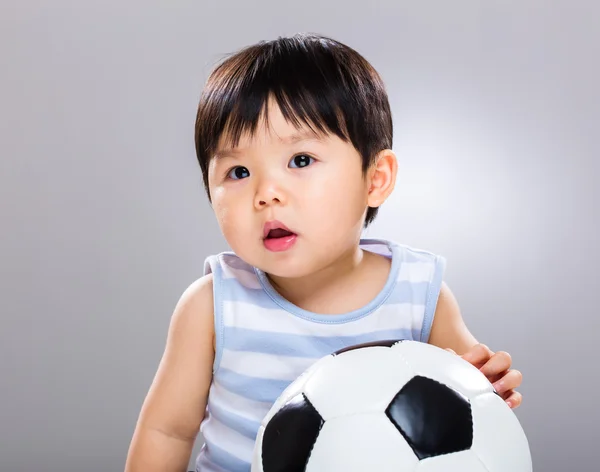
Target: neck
{"points": [[316, 288]]}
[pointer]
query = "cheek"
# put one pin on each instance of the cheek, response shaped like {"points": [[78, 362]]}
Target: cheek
{"points": [[233, 216], [341, 195], [225, 212]]}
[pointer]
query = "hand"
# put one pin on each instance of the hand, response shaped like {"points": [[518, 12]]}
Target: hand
{"points": [[496, 367]]}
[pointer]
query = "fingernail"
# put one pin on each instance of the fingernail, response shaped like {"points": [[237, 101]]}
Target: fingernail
{"points": [[509, 403], [498, 386]]}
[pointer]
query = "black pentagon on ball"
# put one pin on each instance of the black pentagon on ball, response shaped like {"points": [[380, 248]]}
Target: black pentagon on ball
{"points": [[433, 418], [383, 343], [290, 436]]}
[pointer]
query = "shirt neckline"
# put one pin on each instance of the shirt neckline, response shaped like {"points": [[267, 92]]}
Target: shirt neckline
{"points": [[371, 306]]}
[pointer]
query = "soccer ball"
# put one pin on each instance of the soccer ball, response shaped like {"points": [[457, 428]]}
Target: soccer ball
{"points": [[401, 406]]}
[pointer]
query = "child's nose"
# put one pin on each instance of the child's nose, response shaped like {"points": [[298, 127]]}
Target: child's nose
{"points": [[269, 193]]}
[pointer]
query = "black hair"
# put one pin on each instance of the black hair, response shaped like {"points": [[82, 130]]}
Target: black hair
{"points": [[316, 81]]}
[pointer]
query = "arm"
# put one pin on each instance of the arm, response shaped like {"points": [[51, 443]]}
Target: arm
{"points": [[174, 407], [449, 330]]}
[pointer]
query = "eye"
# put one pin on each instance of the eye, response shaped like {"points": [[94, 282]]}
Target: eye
{"points": [[238, 173], [301, 160]]}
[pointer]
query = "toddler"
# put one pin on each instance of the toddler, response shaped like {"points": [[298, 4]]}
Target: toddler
{"points": [[293, 137]]}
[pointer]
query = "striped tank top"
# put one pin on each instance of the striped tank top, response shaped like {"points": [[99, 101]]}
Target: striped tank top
{"points": [[264, 342]]}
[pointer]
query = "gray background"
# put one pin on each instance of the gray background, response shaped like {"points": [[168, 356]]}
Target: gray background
{"points": [[104, 220]]}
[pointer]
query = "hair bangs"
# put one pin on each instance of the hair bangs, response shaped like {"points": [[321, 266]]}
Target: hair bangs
{"points": [[241, 93]]}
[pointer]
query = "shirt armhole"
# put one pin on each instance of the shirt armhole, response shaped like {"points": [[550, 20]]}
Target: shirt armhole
{"points": [[211, 265], [433, 292]]}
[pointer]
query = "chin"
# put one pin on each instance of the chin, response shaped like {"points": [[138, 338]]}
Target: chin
{"points": [[280, 265]]}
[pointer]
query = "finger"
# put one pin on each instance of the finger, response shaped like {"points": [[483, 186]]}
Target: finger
{"points": [[499, 362], [510, 381], [450, 350], [478, 355], [514, 399], [494, 378]]}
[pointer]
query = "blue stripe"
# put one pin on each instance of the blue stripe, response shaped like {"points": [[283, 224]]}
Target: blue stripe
{"points": [[244, 426], [408, 292], [231, 290], [212, 453], [296, 345], [253, 388]]}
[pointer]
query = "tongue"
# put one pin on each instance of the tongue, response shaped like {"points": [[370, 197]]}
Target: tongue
{"points": [[278, 233]]}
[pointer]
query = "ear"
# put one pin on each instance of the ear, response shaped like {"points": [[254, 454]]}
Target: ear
{"points": [[382, 178]]}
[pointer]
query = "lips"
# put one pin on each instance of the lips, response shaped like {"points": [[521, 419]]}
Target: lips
{"points": [[278, 238], [280, 244]]}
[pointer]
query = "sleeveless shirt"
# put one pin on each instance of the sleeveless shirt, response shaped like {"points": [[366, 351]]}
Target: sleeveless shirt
{"points": [[264, 342]]}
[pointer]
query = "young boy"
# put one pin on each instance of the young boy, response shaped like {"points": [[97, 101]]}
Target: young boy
{"points": [[294, 139]]}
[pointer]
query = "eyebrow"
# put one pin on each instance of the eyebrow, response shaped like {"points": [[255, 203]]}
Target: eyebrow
{"points": [[289, 140]]}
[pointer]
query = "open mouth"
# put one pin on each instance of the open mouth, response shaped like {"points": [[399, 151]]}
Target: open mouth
{"points": [[278, 233], [277, 237]]}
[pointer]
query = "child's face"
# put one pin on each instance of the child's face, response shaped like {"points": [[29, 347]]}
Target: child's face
{"points": [[315, 188]]}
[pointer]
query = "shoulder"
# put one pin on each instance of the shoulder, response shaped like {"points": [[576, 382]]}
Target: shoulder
{"points": [[194, 312], [408, 253], [198, 293], [225, 264], [230, 275], [407, 257]]}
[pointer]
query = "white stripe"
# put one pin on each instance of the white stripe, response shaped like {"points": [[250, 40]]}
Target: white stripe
{"points": [[415, 272], [377, 247], [255, 364], [228, 439], [237, 404], [275, 320], [417, 318]]}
